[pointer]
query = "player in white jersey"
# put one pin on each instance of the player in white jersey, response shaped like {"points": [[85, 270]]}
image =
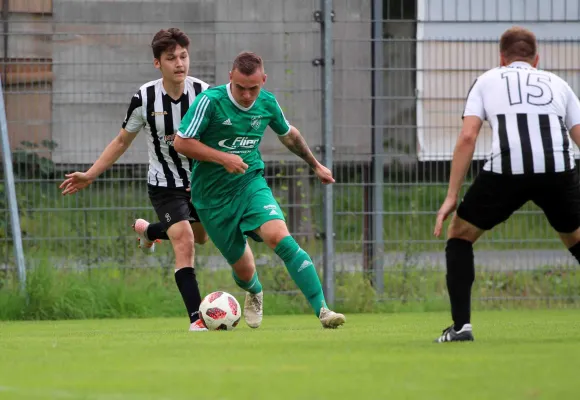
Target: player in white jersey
{"points": [[533, 114], [157, 109]]}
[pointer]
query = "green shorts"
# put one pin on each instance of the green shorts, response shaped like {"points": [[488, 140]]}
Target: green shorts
{"points": [[229, 225]]}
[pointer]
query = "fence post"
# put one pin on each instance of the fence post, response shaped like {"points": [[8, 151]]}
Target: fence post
{"points": [[327, 129], [11, 192], [377, 168]]}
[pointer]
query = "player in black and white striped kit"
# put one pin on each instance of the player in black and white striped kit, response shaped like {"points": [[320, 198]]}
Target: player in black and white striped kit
{"points": [[157, 109], [534, 116]]}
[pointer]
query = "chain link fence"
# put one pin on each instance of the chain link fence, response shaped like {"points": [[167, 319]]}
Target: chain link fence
{"points": [[70, 69], [422, 58], [400, 74]]}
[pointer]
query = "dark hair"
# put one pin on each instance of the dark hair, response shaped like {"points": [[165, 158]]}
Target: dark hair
{"points": [[518, 44], [247, 63], [167, 40]]}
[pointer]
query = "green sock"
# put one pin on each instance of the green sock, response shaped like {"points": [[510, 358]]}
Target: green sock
{"points": [[301, 269], [253, 286]]}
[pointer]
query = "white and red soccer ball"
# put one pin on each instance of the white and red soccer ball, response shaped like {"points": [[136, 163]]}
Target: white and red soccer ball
{"points": [[220, 311]]}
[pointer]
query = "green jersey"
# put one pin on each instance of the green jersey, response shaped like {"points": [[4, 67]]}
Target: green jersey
{"points": [[218, 121]]}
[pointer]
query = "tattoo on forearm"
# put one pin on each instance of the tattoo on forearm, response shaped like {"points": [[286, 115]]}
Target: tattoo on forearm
{"points": [[299, 147]]}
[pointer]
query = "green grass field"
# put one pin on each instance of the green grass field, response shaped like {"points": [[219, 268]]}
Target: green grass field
{"points": [[516, 355]]}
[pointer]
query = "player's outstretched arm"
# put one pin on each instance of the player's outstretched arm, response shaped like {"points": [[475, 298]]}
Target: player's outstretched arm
{"points": [[79, 180], [462, 156], [297, 145]]}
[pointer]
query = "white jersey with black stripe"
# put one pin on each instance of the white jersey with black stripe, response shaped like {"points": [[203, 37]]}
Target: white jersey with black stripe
{"points": [[530, 112], [159, 116]]}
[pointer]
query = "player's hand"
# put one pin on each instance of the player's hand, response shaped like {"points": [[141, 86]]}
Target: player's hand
{"points": [[234, 164], [324, 174], [75, 182], [448, 206]]}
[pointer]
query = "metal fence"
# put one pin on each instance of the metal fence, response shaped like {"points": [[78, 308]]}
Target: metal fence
{"points": [[423, 57], [385, 112]]}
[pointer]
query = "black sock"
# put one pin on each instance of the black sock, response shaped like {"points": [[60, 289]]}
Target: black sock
{"points": [[187, 284], [460, 277], [156, 231], [575, 250]]}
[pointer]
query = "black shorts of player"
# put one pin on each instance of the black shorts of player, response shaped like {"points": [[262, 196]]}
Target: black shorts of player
{"points": [[172, 205], [492, 198]]}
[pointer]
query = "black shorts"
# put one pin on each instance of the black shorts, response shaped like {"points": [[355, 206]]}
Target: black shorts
{"points": [[492, 198], [172, 205]]}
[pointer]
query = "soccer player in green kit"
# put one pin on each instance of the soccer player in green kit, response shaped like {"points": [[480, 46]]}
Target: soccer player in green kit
{"points": [[222, 131]]}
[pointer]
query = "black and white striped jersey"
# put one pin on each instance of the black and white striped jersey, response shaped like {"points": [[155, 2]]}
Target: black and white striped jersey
{"points": [[530, 112], [159, 116]]}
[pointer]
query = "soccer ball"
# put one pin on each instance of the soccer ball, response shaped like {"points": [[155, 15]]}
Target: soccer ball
{"points": [[220, 311]]}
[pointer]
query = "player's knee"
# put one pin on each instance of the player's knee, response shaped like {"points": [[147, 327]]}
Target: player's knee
{"points": [[244, 269], [459, 229], [454, 229], [572, 243], [183, 242], [245, 274], [570, 239], [273, 240], [272, 232], [199, 233], [576, 237], [201, 238]]}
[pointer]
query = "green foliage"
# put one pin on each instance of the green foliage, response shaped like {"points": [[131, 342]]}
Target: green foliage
{"points": [[31, 161], [59, 293]]}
